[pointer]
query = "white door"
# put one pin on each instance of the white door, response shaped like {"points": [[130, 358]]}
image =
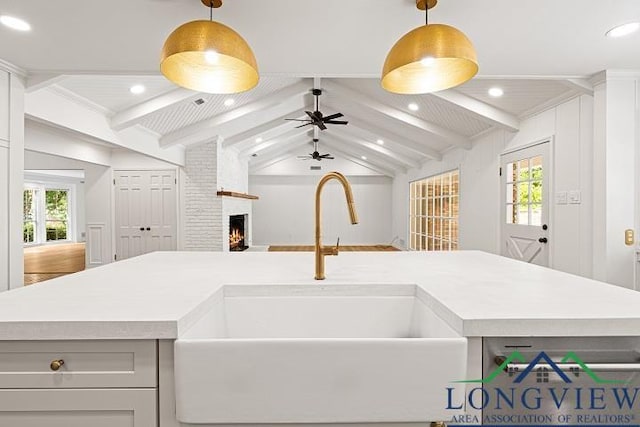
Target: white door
{"points": [[525, 204], [145, 207]]}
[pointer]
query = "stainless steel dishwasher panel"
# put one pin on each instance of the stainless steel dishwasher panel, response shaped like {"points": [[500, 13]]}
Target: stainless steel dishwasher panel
{"points": [[559, 381]]}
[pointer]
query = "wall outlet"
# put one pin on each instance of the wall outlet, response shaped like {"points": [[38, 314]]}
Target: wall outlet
{"points": [[575, 197], [561, 198]]}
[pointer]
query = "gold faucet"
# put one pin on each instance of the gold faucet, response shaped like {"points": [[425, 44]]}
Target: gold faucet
{"points": [[322, 251]]}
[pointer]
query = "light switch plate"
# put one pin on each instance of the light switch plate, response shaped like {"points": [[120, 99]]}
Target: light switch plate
{"points": [[561, 198], [575, 197]]}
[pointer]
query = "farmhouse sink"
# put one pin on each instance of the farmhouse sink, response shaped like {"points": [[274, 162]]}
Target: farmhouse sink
{"points": [[317, 354]]}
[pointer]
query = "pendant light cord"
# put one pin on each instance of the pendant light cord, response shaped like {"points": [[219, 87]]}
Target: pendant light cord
{"points": [[426, 13], [211, 10]]}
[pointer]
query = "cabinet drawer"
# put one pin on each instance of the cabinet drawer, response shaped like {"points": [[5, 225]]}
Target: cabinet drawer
{"points": [[78, 408], [87, 364]]}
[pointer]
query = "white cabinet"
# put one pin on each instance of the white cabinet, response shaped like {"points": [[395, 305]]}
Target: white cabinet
{"points": [[78, 408], [4, 106], [4, 218], [146, 212], [78, 383]]}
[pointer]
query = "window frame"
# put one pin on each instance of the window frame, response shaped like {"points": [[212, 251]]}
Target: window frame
{"points": [[40, 231], [423, 220]]}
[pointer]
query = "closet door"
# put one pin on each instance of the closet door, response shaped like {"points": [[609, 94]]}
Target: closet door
{"points": [[131, 200], [161, 217], [145, 206]]}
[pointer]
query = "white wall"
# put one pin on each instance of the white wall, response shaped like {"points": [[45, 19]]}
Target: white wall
{"points": [[570, 125], [571, 227], [616, 176], [479, 192], [11, 167], [233, 175], [284, 215]]}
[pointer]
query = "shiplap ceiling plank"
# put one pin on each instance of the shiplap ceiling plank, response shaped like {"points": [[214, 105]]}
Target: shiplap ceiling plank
{"points": [[37, 81], [448, 135], [383, 161], [483, 110], [287, 100], [133, 115], [282, 139], [264, 131]]}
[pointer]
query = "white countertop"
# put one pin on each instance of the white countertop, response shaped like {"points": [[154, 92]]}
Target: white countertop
{"points": [[155, 296]]}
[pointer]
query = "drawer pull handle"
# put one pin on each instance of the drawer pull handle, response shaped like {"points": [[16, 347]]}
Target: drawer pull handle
{"points": [[56, 364]]}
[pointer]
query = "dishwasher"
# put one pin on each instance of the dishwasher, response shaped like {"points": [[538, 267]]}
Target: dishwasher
{"points": [[559, 381]]}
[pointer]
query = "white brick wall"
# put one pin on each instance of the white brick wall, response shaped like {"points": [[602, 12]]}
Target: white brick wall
{"points": [[203, 208], [208, 169]]}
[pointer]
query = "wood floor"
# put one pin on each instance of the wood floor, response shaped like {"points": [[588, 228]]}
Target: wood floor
{"points": [[352, 248], [47, 262]]}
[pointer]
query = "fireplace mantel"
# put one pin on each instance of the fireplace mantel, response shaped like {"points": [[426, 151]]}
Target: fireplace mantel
{"points": [[237, 195]]}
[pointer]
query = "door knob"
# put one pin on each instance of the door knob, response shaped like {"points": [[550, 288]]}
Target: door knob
{"points": [[148, 228], [56, 364], [141, 228], [543, 240]]}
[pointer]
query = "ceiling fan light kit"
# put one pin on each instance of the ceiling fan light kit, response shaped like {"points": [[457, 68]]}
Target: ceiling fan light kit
{"points": [[430, 58], [210, 57]]}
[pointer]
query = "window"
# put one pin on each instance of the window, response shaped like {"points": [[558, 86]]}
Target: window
{"points": [[30, 196], [57, 214], [433, 210], [524, 191], [46, 213]]}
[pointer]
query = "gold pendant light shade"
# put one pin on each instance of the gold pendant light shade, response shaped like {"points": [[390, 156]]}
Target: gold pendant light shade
{"points": [[207, 56], [428, 59]]}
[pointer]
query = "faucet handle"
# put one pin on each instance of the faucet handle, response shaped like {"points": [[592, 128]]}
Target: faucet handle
{"points": [[338, 243]]}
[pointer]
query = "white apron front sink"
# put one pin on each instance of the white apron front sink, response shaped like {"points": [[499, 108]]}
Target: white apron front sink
{"points": [[317, 354]]}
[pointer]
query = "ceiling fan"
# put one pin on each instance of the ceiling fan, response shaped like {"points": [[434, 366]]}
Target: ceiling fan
{"points": [[317, 119], [316, 155]]}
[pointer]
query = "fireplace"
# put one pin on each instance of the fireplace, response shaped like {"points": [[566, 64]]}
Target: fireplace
{"points": [[238, 237]]}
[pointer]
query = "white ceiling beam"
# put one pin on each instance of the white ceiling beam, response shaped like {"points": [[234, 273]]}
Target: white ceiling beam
{"points": [[350, 95], [265, 131], [354, 151], [277, 104], [37, 81], [254, 167], [277, 150], [484, 111], [584, 86], [380, 131], [348, 137], [337, 152], [133, 115], [261, 147]]}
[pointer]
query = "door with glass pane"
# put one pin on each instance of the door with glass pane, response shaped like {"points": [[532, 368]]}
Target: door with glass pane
{"points": [[525, 204]]}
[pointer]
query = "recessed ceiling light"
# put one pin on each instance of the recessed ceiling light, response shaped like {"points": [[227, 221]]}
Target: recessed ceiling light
{"points": [[414, 107], [380, 142], [259, 140], [363, 157], [623, 30], [137, 89], [496, 92], [229, 102], [14, 23]]}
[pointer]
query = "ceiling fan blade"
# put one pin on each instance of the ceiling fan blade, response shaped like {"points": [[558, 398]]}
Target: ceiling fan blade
{"points": [[306, 124], [304, 158], [310, 114], [321, 125], [298, 120], [337, 122], [333, 116], [329, 158]]}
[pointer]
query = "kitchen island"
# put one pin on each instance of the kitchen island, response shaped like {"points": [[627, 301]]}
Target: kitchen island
{"points": [[125, 317]]}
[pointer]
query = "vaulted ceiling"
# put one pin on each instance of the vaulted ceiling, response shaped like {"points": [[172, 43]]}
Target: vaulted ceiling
{"points": [[383, 133], [540, 52]]}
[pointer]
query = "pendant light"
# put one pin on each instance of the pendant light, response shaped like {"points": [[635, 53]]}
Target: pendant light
{"points": [[430, 58], [207, 56]]}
